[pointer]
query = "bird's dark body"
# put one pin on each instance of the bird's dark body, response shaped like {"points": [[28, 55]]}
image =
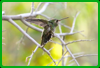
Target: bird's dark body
{"points": [[48, 32], [46, 37]]}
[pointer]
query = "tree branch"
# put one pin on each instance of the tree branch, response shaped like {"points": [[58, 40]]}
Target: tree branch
{"points": [[74, 22], [72, 56], [30, 57], [43, 8], [84, 56], [71, 28], [38, 6], [32, 8], [29, 25], [64, 34], [76, 41], [21, 30]]}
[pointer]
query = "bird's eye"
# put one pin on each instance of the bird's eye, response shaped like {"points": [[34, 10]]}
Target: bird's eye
{"points": [[56, 21]]}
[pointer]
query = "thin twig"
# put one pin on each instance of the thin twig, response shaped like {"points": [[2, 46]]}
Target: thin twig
{"points": [[22, 38], [30, 59], [43, 8], [70, 28], [50, 49], [74, 22], [38, 6], [76, 41], [29, 25], [55, 42], [47, 51], [20, 29], [32, 8], [84, 56], [65, 57], [45, 16], [60, 28], [62, 57], [72, 56], [68, 49], [64, 34], [51, 62], [62, 45]]}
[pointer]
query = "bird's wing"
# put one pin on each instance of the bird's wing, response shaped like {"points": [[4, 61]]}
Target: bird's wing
{"points": [[40, 22]]}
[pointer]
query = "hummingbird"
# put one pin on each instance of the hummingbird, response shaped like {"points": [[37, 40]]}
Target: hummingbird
{"points": [[48, 25]]}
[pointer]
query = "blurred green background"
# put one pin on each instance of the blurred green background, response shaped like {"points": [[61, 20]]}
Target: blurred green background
{"points": [[15, 54]]}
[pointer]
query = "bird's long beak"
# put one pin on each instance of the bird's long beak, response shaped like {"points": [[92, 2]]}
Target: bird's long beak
{"points": [[63, 18]]}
